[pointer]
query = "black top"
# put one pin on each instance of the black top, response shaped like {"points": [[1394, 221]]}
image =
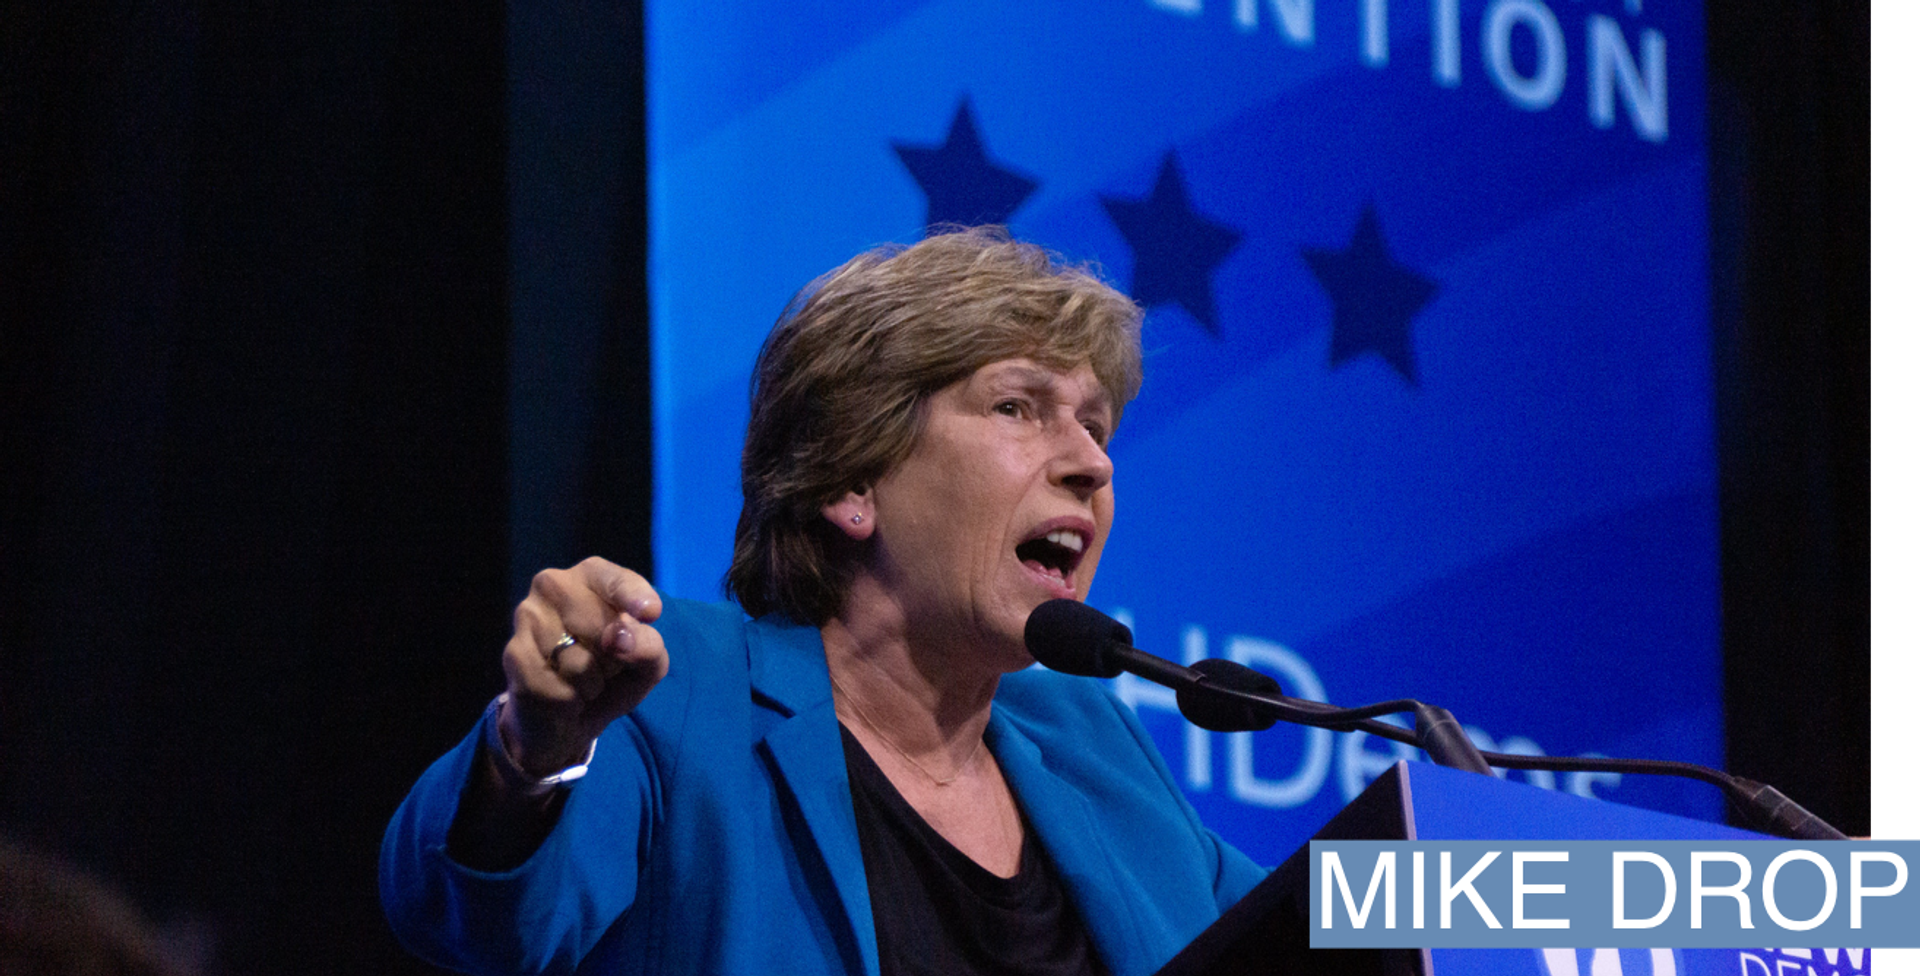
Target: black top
{"points": [[936, 911]]}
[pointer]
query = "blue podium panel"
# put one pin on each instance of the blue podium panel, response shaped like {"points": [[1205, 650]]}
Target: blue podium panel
{"points": [[1428, 408], [1447, 804], [1268, 932]]}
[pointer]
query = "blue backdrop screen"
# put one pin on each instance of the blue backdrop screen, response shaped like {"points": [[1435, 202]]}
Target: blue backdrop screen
{"points": [[1428, 408]]}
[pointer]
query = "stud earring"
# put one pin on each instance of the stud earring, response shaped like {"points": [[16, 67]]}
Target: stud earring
{"points": [[858, 518]]}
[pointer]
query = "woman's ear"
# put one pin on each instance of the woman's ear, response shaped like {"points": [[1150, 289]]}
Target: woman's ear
{"points": [[852, 513]]}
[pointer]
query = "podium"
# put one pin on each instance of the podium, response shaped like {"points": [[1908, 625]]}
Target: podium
{"points": [[1267, 931]]}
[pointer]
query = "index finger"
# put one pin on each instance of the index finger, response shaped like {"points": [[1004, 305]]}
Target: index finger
{"points": [[622, 588]]}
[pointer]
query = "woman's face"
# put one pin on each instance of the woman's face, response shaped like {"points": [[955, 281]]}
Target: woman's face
{"points": [[1004, 503]]}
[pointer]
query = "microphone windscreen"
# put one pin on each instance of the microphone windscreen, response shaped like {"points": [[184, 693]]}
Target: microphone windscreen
{"points": [[1072, 638], [1224, 715]]}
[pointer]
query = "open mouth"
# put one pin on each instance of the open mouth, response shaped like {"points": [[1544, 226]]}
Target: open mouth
{"points": [[1055, 553]]}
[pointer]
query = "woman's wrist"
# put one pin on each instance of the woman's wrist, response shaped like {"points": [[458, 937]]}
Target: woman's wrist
{"points": [[517, 779]]}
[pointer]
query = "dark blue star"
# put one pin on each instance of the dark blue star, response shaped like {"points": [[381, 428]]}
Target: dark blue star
{"points": [[1374, 297], [1175, 250], [962, 185]]}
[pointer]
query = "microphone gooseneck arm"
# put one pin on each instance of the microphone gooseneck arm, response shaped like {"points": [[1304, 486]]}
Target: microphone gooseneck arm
{"points": [[1226, 696], [1769, 810], [1069, 636]]}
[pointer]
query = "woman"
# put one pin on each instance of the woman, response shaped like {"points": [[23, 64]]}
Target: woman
{"points": [[863, 777]]}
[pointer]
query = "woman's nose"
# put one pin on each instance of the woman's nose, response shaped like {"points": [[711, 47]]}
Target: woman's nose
{"points": [[1083, 464]]}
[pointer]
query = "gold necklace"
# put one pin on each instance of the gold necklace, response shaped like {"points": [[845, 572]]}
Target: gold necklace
{"points": [[902, 753]]}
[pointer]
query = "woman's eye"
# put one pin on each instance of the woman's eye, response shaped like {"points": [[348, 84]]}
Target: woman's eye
{"points": [[1098, 433], [1010, 408]]}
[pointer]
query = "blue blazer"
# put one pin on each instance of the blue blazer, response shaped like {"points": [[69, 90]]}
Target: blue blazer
{"points": [[715, 831]]}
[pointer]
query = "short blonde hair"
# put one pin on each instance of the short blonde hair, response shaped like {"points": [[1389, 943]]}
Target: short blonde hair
{"points": [[840, 388]]}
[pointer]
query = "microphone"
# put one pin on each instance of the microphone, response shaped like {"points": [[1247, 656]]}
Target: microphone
{"points": [[1216, 713], [1072, 638], [1435, 728], [1225, 696]]}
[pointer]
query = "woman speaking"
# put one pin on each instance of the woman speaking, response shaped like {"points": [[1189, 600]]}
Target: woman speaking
{"points": [[860, 773]]}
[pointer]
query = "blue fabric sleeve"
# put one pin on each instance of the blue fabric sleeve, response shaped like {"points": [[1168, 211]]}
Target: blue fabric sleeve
{"points": [[546, 914]]}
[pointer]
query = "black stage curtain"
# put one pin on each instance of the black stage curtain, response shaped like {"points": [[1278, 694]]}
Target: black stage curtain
{"points": [[258, 312], [1788, 109], [253, 268]]}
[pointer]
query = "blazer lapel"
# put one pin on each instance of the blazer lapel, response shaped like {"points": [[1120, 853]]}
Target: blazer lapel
{"points": [[1060, 817], [788, 670]]}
